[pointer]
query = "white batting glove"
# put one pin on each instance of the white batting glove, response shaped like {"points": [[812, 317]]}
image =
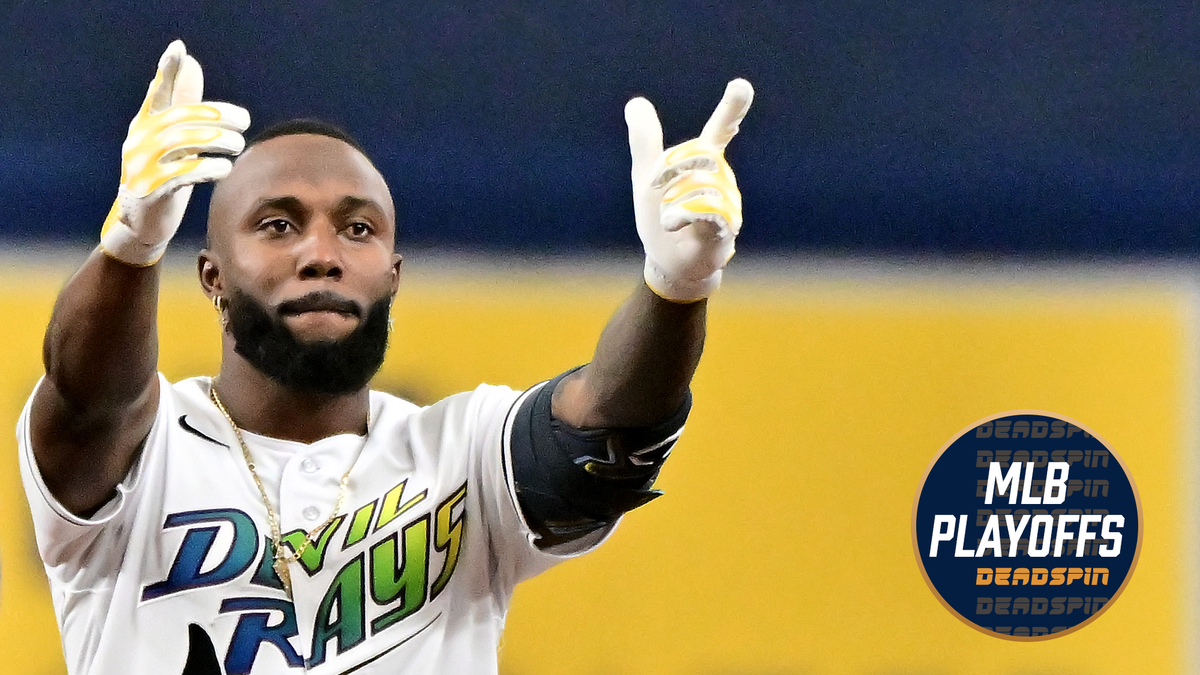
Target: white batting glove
{"points": [[685, 200], [160, 159]]}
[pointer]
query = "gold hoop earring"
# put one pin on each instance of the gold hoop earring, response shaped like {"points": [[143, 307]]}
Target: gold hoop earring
{"points": [[220, 304]]}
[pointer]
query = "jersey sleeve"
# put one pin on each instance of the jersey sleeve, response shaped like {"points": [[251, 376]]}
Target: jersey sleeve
{"points": [[83, 551], [571, 481], [512, 543]]}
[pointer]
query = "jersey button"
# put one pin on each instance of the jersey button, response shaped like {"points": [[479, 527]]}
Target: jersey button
{"points": [[309, 466], [310, 512]]}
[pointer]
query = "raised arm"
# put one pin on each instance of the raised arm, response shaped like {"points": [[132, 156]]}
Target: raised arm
{"points": [[98, 400], [589, 449], [688, 211]]}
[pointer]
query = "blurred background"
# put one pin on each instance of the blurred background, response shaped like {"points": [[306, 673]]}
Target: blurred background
{"points": [[951, 210]]}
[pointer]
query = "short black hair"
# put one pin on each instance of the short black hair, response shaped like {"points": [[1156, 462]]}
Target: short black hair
{"points": [[305, 125]]}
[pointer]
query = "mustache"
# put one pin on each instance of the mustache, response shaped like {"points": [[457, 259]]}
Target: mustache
{"points": [[320, 301], [342, 366]]}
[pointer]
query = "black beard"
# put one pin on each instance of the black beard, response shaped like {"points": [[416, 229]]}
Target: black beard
{"points": [[331, 367]]}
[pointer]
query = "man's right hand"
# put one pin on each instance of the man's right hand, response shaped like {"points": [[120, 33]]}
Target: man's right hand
{"points": [[166, 153], [95, 408]]}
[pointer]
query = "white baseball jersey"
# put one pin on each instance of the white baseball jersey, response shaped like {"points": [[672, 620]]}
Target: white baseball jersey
{"points": [[413, 576]]}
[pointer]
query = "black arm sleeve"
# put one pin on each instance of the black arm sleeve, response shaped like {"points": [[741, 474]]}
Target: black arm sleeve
{"points": [[569, 481]]}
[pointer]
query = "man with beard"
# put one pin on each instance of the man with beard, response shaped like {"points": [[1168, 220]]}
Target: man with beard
{"points": [[282, 516]]}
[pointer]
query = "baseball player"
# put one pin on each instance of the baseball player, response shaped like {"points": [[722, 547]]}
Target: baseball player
{"points": [[282, 517]]}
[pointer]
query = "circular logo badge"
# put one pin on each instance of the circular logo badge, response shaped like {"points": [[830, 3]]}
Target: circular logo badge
{"points": [[1027, 526]]}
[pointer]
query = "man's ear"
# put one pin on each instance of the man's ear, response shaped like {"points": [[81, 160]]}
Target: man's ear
{"points": [[207, 267], [397, 260]]}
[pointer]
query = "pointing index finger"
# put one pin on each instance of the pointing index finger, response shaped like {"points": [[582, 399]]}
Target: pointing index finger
{"points": [[158, 98], [723, 125]]}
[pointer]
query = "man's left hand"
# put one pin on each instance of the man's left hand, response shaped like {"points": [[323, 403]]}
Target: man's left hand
{"points": [[686, 200]]}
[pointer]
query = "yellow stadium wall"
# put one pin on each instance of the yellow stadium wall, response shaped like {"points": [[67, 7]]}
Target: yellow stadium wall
{"points": [[783, 544]]}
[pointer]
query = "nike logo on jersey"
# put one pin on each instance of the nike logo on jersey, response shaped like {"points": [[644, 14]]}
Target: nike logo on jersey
{"points": [[196, 432]]}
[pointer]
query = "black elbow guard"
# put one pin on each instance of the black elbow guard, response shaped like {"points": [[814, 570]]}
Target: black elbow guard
{"points": [[570, 481]]}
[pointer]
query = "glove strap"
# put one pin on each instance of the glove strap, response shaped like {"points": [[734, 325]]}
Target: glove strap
{"points": [[121, 243], [679, 290]]}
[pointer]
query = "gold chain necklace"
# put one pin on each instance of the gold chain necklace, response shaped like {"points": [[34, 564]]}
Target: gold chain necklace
{"points": [[282, 557]]}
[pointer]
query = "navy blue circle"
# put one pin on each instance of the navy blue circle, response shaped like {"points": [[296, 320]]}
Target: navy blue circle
{"points": [[1026, 596]]}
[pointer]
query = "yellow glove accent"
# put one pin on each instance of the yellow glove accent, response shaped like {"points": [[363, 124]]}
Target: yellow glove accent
{"points": [[160, 159], [706, 187], [686, 200]]}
